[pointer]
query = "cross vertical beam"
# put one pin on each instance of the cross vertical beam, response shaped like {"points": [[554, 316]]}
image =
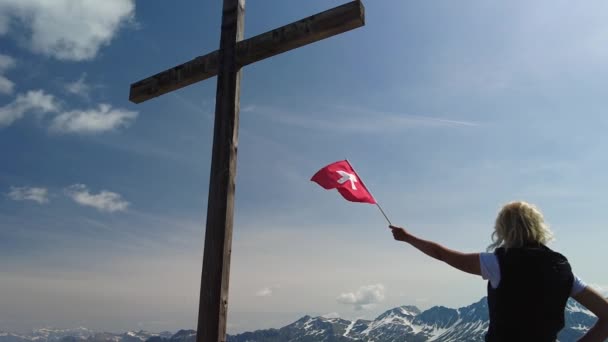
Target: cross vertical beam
{"points": [[234, 53], [213, 305]]}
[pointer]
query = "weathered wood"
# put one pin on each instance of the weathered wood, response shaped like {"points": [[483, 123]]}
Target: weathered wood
{"points": [[183, 75], [300, 33], [213, 305], [234, 53], [306, 31]]}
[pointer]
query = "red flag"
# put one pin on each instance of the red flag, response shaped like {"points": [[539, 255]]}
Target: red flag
{"points": [[341, 175]]}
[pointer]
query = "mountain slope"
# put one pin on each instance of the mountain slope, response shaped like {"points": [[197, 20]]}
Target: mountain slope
{"points": [[402, 324], [408, 324]]}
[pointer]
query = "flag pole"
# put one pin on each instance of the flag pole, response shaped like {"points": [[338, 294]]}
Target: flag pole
{"points": [[377, 204], [382, 211]]}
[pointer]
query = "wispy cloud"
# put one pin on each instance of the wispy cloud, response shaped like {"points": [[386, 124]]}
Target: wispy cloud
{"points": [[65, 29], [105, 201], [267, 291], [353, 120], [40, 195], [79, 87], [4, 24], [497, 70], [365, 297], [33, 100], [6, 62], [6, 85], [331, 315], [91, 121]]}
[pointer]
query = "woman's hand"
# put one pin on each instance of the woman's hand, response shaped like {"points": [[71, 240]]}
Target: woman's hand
{"points": [[399, 233]]}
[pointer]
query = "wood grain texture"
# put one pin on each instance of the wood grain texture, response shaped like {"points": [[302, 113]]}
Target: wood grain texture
{"points": [[215, 276], [303, 32]]}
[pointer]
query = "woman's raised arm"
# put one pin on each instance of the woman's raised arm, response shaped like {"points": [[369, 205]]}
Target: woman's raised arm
{"points": [[597, 304], [466, 262]]}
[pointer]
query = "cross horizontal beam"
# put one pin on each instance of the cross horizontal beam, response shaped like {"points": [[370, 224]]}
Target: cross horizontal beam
{"points": [[306, 31]]}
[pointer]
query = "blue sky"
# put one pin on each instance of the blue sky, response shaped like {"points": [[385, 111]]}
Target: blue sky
{"points": [[447, 110]]}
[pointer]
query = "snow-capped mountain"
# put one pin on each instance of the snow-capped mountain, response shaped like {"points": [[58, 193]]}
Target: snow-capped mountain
{"points": [[52, 335], [403, 324], [408, 324], [81, 335], [9, 337]]}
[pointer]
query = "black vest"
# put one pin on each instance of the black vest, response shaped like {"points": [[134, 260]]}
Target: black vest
{"points": [[529, 302]]}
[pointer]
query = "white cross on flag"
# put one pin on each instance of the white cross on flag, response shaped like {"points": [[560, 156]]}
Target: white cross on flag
{"points": [[341, 176]]}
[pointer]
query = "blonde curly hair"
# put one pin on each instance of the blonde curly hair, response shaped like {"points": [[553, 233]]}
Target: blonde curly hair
{"points": [[519, 223]]}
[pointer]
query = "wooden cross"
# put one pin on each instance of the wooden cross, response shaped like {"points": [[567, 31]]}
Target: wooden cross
{"points": [[233, 54]]}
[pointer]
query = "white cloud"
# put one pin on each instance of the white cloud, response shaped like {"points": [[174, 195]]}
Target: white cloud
{"points": [[365, 297], [91, 121], [79, 87], [105, 201], [331, 315], [32, 101], [6, 62], [354, 119], [6, 85], [39, 195], [249, 108], [66, 29], [96, 120], [267, 291]]}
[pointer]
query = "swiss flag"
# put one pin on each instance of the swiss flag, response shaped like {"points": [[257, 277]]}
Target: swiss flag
{"points": [[341, 175]]}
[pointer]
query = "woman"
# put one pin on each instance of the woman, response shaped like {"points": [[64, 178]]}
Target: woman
{"points": [[528, 283]]}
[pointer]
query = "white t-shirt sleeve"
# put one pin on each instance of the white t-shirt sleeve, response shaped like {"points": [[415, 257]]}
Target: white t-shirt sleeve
{"points": [[490, 269], [577, 286]]}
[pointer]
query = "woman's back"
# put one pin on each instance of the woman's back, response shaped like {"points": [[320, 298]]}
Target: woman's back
{"points": [[529, 302]]}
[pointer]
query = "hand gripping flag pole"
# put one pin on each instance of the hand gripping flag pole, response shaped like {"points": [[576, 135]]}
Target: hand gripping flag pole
{"points": [[342, 176]]}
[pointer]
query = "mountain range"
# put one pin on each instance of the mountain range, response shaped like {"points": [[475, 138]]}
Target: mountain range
{"points": [[403, 324]]}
